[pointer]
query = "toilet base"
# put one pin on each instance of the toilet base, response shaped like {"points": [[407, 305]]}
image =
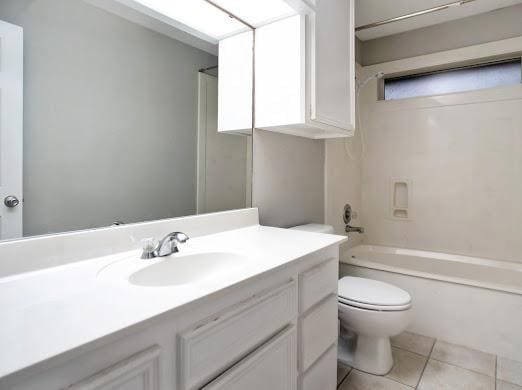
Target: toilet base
{"points": [[366, 353]]}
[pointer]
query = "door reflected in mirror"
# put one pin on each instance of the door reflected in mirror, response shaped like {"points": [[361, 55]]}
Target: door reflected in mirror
{"points": [[110, 115]]}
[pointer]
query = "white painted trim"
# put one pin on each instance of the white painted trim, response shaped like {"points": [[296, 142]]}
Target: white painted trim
{"points": [[201, 184], [11, 128], [455, 56], [512, 92]]}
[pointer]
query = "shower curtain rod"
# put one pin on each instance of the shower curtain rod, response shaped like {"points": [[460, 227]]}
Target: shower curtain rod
{"points": [[204, 70], [412, 15]]}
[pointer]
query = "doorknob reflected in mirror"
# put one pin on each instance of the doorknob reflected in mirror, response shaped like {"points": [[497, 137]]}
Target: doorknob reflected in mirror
{"points": [[11, 201]]}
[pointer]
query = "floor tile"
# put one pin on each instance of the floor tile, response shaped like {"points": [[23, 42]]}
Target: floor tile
{"points": [[407, 367], [358, 380], [414, 343], [342, 372], [481, 362], [501, 385], [442, 376], [509, 371]]}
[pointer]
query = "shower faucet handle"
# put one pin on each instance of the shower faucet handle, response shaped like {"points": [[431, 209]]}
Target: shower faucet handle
{"points": [[347, 214]]}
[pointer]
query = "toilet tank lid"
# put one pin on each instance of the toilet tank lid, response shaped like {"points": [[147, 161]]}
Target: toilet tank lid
{"points": [[315, 227], [372, 292]]}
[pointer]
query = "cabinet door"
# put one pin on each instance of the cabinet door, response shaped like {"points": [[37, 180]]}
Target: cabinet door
{"points": [[323, 374], [280, 73], [318, 331], [235, 83], [271, 367], [332, 62], [216, 343]]}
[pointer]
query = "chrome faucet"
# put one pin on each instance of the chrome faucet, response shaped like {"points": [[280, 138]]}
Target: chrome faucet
{"points": [[165, 247]]}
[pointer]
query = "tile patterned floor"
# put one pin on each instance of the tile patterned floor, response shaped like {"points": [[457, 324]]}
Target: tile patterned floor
{"points": [[424, 363]]}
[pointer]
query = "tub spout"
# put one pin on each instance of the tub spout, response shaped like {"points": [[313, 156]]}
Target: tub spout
{"points": [[354, 229]]}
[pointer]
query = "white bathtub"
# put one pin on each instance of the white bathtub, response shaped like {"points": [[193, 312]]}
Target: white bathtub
{"points": [[465, 300]]}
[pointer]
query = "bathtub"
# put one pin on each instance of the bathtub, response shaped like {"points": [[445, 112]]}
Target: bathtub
{"points": [[465, 300]]}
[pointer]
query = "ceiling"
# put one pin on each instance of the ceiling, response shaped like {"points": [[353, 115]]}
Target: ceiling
{"points": [[369, 11]]}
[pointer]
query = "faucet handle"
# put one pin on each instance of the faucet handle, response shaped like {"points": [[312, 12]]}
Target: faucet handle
{"points": [[149, 246], [181, 237]]}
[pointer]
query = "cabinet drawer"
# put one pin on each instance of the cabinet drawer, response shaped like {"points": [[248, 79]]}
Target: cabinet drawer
{"points": [[318, 331], [138, 372], [215, 344], [272, 366], [323, 374], [317, 283]]}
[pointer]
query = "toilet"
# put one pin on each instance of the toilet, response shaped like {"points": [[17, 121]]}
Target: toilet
{"points": [[370, 312]]}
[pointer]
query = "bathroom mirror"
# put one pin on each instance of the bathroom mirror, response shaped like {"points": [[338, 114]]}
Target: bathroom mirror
{"points": [[117, 119]]}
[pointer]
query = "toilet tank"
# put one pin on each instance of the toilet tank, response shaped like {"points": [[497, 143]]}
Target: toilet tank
{"points": [[315, 228]]}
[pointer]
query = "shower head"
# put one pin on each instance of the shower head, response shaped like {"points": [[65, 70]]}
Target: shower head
{"points": [[376, 76]]}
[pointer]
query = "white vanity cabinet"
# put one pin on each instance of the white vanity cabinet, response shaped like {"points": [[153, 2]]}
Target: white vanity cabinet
{"points": [[305, 72], [277, 332]]}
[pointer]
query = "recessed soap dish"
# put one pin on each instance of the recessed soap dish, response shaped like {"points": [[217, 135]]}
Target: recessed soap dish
{"points": [[400, 195]]}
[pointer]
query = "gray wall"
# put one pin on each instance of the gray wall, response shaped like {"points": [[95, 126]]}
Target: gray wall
{"points": [[488, 27], [109, 117], [288, 181]]}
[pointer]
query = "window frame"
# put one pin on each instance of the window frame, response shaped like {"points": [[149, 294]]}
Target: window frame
{"points": [[381, 95]]}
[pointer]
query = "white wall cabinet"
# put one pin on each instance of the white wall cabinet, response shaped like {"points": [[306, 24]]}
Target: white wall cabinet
{"points": [[305, 72], [278, 332]]}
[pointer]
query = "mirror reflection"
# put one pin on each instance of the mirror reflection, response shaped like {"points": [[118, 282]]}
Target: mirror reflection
{"points": [[112, 117]]}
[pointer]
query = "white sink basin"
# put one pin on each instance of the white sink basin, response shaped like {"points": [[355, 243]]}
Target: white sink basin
{"points": [[185, 269]]}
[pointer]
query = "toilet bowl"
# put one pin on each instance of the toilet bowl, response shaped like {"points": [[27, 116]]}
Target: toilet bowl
{"points": [[370, 312]]}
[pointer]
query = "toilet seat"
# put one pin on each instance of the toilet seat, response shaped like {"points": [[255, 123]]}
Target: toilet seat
{"points": [[371, 294], [366, 306]]}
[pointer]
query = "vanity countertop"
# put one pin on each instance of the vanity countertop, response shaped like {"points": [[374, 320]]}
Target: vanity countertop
{"points": [[52, 311]]}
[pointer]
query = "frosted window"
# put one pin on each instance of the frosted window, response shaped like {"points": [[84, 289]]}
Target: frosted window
{"points": [[455, 80]]}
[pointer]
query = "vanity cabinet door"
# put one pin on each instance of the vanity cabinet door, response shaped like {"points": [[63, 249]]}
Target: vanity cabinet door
{"points": [[271, 367], [323, 374], [317, 332], [213, 345], [138, 372]]}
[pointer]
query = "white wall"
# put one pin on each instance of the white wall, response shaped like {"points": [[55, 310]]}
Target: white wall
{"points": [[288, 179], [463, 154]]}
